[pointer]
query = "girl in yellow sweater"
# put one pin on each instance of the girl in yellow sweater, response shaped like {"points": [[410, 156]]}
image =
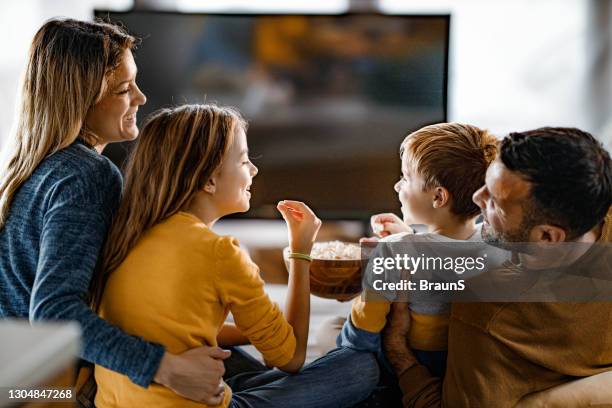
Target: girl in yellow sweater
{"points": [[167, 277]]}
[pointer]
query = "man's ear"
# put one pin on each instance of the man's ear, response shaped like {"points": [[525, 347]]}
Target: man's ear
{"points": [[441, 197], [547, 234]]}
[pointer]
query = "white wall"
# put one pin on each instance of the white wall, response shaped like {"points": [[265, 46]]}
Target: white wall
{"points": [[515, 64], [19, 21]]}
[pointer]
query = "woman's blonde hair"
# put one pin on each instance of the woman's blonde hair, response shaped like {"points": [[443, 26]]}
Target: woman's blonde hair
{"points": [[454, 156], [65, 77], [176, 154]]}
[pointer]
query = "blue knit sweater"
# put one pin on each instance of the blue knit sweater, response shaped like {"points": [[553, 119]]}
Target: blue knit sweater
{"points": [[49, 245]]}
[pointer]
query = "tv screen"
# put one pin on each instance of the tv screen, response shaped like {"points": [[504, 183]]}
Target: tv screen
{"points": [[328, 98]]}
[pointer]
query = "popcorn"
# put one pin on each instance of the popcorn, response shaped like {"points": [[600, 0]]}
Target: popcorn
{"points": [[335, 250]]}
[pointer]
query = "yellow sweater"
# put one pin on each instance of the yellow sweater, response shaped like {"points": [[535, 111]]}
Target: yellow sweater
{"points": [[176, 288], [427, 332]]}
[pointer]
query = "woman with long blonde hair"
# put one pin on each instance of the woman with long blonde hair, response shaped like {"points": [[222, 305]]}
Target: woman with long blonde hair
{"points": [[58, 194], [166, 276]]}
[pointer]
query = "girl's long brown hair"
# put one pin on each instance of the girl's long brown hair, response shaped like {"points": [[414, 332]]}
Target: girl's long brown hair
{"points": [[176, 153], [65, 77]]}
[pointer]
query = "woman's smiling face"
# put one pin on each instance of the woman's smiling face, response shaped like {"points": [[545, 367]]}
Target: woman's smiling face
{"points": [[113, 118]]}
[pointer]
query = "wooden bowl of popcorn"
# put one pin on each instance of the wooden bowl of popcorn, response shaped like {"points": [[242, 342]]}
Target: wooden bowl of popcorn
{"points": [[335, 270]]}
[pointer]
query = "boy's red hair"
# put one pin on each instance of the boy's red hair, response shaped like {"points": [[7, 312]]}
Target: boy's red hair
{"points": [[454, 156]]}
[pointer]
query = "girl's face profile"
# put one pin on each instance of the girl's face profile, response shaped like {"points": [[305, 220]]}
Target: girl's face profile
{"points": [[113, 118], [233, 182]]}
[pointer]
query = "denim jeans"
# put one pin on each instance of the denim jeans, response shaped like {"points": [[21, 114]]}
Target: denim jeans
{"points": [[341, 378]]}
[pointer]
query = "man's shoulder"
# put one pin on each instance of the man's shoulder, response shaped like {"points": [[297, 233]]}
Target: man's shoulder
{"points": [[606, 232]]}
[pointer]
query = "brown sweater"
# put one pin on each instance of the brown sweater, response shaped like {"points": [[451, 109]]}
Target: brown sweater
{"points": [[500, 352]]}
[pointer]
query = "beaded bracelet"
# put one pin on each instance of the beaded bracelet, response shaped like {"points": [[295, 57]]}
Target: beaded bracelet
{"points": [[297, 255]]}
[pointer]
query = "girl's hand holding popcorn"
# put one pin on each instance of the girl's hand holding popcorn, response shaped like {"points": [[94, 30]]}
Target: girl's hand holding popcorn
{"points": [[303, 225]]}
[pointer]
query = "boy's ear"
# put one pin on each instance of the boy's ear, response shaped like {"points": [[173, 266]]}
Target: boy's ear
{"points": [[441, 197]]}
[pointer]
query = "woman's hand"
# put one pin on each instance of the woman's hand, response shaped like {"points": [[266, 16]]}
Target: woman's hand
{"points": [[302, 223], [388, 224], [196, 374]]}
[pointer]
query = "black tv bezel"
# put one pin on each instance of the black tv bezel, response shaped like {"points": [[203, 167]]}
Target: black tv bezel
{"points": [[332, 215]]}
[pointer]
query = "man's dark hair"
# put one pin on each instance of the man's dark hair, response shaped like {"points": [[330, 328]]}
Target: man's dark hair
{"points": [[570, 174]]}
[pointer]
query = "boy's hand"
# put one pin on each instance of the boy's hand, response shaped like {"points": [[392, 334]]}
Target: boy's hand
{"points": [[303, 225], [387, 224]]}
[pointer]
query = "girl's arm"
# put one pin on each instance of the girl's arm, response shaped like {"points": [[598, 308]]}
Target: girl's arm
{"points": [[230, 335], [297, 310], [303, 227], [280, 339]]}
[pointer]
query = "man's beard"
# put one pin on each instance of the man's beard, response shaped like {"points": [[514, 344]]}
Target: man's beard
{"points": [[504, 240], [513, 240]]}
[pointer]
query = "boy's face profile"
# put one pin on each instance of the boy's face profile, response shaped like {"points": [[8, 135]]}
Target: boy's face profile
{"points": [[417, 205]]}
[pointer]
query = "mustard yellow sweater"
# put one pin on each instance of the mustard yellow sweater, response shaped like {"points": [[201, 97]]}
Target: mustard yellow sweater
{"points": [[176, 288], [427, 332]]}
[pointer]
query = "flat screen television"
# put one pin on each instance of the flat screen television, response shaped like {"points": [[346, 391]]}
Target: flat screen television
{"points": [[328, 98]]}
